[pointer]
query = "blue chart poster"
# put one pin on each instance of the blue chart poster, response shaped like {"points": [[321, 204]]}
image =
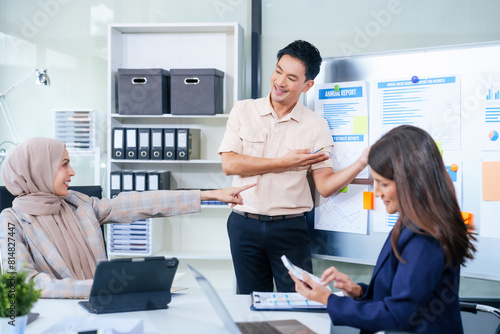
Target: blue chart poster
{"points": [[344, 106], [432, 104], [490, 135]]}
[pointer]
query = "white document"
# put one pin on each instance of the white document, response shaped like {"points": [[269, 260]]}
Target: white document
{"points": [[383, 221], [431, 103], [342, 212], [106, 325], [297, 271], [490, 132]]}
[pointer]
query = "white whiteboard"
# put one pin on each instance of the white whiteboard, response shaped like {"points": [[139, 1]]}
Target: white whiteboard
{"points": [[476, 69]]}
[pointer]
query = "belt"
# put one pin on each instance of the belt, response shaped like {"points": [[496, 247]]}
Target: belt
{"points": [[265, 218]]}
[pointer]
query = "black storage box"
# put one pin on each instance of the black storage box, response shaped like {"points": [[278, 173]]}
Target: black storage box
{"points": [[143, 91], [196, 91]]}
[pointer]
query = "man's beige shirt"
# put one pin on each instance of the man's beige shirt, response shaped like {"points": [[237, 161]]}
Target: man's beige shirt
{"points": [[253, 129]]}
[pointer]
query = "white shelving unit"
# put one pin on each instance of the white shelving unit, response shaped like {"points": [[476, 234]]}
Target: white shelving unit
{"points": [[201, 236]]}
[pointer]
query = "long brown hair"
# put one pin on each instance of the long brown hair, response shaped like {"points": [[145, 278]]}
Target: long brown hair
{"points": [[427, 202]]}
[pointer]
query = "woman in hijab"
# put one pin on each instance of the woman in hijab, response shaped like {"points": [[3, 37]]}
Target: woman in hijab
{"points": [[56, 233]]}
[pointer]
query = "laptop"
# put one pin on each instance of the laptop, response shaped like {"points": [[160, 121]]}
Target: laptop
{"points": [[126, 285], [255, 327]]}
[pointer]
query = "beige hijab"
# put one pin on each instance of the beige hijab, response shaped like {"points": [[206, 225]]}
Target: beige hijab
{"points": [[28, 172]]}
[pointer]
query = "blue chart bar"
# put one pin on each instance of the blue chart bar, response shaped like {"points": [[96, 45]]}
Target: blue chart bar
{"points": [[392, 219], [492, 115], [397, 105], [334, 111], [493, 94], [339, 109]]}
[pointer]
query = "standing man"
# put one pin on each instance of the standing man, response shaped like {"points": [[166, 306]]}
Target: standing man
{"points": [[268, 141]]}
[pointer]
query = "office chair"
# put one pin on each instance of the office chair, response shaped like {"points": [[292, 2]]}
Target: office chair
{"points": [[6, 199], [480, 318]]}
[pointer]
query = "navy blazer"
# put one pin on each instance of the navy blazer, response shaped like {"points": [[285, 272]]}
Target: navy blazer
{"points": [[420, 295]]}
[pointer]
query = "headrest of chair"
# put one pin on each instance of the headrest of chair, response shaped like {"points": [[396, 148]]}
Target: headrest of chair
{"points": [[6, 198]]}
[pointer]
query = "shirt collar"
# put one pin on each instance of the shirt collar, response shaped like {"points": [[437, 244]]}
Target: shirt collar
{"points": [[295, 114]]}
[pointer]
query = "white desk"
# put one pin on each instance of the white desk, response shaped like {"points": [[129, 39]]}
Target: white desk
{"points": [[188, 312]]}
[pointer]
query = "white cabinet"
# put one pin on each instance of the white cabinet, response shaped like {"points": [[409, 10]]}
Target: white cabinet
{"points": [[202, 236]]}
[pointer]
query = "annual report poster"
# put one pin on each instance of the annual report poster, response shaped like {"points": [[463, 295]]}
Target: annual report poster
{"points": [[344, 106]]}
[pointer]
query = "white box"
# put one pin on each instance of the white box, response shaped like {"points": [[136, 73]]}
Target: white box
{"points": [[142, 238]]}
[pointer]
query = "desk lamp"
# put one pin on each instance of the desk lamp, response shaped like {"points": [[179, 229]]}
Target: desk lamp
{"points": [[41, 79]]}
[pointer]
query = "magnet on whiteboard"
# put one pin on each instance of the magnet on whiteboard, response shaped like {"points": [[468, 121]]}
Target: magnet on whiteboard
{"points": [[468, 218], [414, 79]]}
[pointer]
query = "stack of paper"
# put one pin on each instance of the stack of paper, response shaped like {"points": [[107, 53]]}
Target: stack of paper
{"points": [[130, 238], [75, 128], [176, 279]]}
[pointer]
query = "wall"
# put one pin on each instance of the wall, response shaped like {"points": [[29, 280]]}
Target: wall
{"points": [[340, 28], [69, 38]]}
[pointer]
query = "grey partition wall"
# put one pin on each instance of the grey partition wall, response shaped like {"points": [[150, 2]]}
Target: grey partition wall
{"points": [[477, 67]]}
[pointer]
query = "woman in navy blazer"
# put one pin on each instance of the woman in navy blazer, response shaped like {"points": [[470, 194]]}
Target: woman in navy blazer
{"points": [[414, 286]]}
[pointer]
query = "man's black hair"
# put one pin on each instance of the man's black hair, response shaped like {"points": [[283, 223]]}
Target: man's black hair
{"points": [[305, 52]]}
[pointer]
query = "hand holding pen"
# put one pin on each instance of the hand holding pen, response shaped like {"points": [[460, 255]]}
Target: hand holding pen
{"points": [[320, 149], [301, 158]]}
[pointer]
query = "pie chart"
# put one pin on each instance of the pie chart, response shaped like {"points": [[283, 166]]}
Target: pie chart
{"points": [[493, 135]]}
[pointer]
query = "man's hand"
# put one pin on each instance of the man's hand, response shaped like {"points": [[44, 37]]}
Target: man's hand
{"points": [[329, 182], [228, 195], [301, 158], [363, 159], [239, 164]]}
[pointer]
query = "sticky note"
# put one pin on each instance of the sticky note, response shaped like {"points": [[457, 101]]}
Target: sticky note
{"points": [[367, 200], [491, 180], [439, 145], [343, 190], [360, 125], [468, 218]]}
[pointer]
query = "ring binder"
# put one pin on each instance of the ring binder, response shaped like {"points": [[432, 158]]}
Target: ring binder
{"points": [[188, 144], [116, 184], [156, 144], [118, 143], [144, 144], [170, 146], [131, 143]]}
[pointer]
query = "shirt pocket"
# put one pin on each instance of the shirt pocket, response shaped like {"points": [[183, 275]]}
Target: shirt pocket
{"points": [[299, 144], [254, 141]]}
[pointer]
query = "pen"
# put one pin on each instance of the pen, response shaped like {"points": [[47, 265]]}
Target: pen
{"points": [[320, 149]]}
